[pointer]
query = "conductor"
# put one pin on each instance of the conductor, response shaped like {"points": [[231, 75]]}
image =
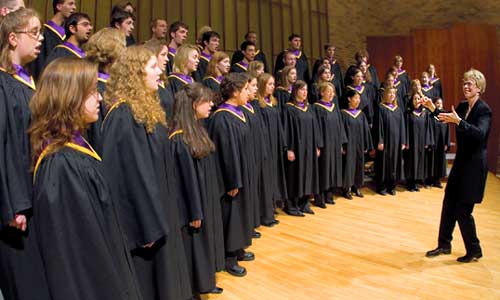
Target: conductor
{"points": [[467, 178]]}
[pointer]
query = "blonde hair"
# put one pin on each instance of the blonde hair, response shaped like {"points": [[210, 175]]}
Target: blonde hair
{"points": [[57, 105], [182, 56], [262, 81], [284, 76], [16, 21], [212, 65], [127, 82], [477, 77], [255, 65], [324, 85], [104, 47], [386, 94]]}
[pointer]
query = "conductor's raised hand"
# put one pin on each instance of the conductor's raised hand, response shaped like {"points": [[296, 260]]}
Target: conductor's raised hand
{"points": [[451, 117], [290, 155], [233, 193]]}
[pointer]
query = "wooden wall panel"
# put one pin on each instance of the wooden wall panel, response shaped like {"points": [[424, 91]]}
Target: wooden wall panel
{"points": [[383, 49]]}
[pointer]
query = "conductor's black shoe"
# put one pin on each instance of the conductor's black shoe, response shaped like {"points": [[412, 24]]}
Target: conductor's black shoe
{"points": [[470, 257], [217, 290], [247, 256], [236, 270], [294, 213], [308, 210], [438, 251], [256, 235]]}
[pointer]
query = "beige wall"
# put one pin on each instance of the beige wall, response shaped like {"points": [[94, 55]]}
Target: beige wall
{"points": [[352, 21]]}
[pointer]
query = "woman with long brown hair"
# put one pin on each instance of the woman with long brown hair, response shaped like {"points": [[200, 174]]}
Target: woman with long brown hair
{"points": [[201, 187], [284, 90], [21, 270], [81, 242], [137, 159], [217, 68]]}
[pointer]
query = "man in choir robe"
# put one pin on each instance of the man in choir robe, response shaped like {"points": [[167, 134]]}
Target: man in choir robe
{"points": [[54, 33], [78, 29], [290, 60], [178, 33], [8, 6], [248, 50], [338, 80], [210, 41], [295, 45], [159, 29], [251, 36]]}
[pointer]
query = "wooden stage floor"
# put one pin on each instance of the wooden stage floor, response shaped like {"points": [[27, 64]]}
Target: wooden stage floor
{"points": [[371, 248]]}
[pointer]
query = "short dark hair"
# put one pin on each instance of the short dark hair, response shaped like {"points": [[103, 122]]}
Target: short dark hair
{"points": [[121, 6], [119, 17], [328, 46], [232, 83], [176, 26], [207, 36], [154, 22], [292, 36], [54, 5], [249, 33], [72, 20], [360, 54], [245, 45]]}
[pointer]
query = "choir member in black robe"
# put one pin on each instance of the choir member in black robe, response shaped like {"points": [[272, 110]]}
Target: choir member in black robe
{"points": [[103, 48], [273, 181], [259, 54], [369, 84], [402, 76], [164, 91], [468, 175], [284, 90], [359, 142], [391, 82], [303, 149], [54, 33], [334, 136], [366, 94], [124, 20], [210, 40], [21, 268], [78, 30], [390, 138], [362, 56], [177, 33], [185, 63], [435, 81], [427, 88], [302, 65], [230, 132], [138, 162], [338, 79], [200, 187], [438, 164], [415, 88], [420, 142], [255, 68], [81, 242], [289, 60], [258, 152], [324, 76], [217, 68], [248, 50]]}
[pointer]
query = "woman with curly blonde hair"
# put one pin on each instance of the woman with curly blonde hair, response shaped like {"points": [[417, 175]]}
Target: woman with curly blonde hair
{"points": [[186, 62], [134, 151], [103, 49], [67, 167]]}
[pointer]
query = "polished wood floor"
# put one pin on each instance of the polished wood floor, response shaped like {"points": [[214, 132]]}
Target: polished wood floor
{"points": [[371, 248]]}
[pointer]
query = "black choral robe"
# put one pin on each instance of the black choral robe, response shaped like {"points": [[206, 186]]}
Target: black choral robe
{"points": [[359, 141], [334, 136], [420, 141], [441, 139], [239, 67], [430, 91], [21, 270], [303, 137], [231, 135], [177, 81], [51, 38], [282, 95], [212, 83], [94, 130], [436, 83], [166, 99], [389, 129], [201, 192], [80, 238], [61, 51], [405, 81], [137, 166], [367, 95], [201, 70]]}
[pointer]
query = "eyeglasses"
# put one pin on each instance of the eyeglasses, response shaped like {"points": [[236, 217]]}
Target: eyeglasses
{"points": [[34, 34], [84, 23]]}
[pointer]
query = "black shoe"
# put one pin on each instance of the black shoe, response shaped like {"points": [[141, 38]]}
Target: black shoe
{"points": [[438, 185], [294, 213], [271, 223], [308, 210], [416, 189], [438, 251], [470, 257], [382, 192], [247, 256], [347, 195], [358, 193], [236, 270], [329, 200], [217, 290], [256, 235], [319, 204], [392, 192]]}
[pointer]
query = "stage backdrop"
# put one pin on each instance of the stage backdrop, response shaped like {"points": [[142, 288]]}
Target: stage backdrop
{"points": [[273, 20], [453, 50]]}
